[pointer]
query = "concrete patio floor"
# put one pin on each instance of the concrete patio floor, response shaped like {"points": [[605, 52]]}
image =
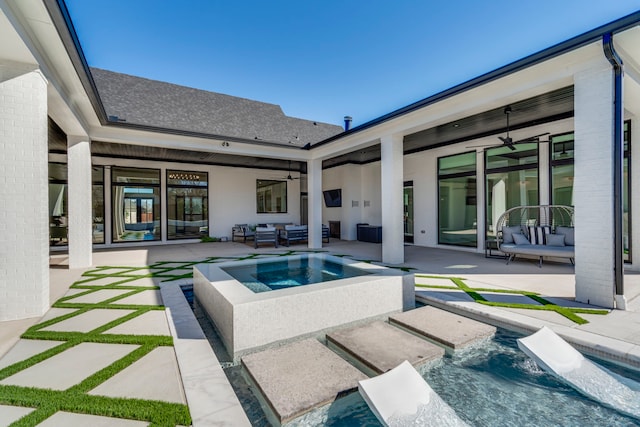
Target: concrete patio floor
{"points": [[171, 374]]}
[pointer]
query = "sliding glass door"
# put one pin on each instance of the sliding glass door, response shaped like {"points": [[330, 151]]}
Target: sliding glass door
{"points": [[457, 212]]}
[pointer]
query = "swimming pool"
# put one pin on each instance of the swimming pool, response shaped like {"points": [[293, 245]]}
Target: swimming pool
{"points": [[289, 272], [493, 384], [247, 320]]}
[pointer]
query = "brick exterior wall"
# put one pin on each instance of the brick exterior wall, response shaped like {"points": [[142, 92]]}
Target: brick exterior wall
{"points": [[24, 224], [593, 187]]}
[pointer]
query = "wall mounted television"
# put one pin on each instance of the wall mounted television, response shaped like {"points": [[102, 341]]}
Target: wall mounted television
{"points": [[333, 198]]}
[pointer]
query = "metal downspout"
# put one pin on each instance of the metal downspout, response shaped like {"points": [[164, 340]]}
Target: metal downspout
{"points": [[618, 153]]}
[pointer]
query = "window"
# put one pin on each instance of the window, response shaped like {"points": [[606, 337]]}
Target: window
{"points": [[562, 169], [58, 204], [97, 202], [271, 196], [626, 193], [457, 213], [135, 204], [562, 172], [408, 211], [187, 204], [512, 180]]}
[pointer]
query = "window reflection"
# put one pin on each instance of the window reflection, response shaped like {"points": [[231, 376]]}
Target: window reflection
{"points": [[187, 201], [136, 204], [457, 212], [271, 196], [512, 180]]}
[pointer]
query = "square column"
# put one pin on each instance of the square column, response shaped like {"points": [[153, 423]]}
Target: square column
{"points": [[314, 190], [24, 221], [392, 187], [593, 185], [481, 219], [80, 199]]}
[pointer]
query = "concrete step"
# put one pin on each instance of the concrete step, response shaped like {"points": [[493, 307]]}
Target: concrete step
{"points": [[298, 377], [443, 327], [381, 347]]}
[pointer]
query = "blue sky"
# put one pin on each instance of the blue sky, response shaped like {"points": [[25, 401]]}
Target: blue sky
{"points": [[322, 60]]}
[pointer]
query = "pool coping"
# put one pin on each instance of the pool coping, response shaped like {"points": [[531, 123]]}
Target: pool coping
{"points": [[235, 310], [210, 396], [592, 344]]}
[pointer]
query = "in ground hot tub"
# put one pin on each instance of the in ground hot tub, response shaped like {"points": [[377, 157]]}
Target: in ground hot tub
{"points": [[247, 319]]}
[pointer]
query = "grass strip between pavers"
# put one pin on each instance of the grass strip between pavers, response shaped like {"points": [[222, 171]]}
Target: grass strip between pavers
{"points": [[47, 402], [568, 312]]}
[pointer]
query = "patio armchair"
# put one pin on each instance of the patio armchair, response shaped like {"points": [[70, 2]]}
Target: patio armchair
{"points": [[265, 235], [242, 231]]}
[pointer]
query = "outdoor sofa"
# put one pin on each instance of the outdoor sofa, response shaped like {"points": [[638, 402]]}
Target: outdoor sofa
{"points": [[540, 231]]}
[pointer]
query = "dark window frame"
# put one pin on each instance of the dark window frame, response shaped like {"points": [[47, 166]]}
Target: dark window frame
{"points": [[286, 192], [128, 184], [169, 186], [456, 175]]}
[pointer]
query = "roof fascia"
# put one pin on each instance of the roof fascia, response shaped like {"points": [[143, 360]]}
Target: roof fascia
{"points": [[64, 26]]}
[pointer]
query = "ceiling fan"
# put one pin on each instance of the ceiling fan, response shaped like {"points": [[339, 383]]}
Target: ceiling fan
{"points": [[507, 141], [289, 177]]}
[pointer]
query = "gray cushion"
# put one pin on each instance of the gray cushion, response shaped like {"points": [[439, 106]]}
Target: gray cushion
{"points": [[520, 239], [540, 250], [569, 235], [555, 240], [507, 233]]}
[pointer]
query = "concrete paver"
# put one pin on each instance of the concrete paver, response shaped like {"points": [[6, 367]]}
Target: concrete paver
{"points": [[24, 349], [101, 281], [554, 280], [150, 297], [98, 296], [547, 316], [301, 376], [109, 271], [56, 312], [9, 414], [150, 323], [10, 332], [68, 419], [381, 347], [69, 367], [508, 298], [448, 295], [140, 379], [88, 321], [442, 326]]}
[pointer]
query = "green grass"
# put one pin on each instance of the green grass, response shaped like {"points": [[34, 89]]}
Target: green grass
{"points": [[458, 283], [76, 399]]}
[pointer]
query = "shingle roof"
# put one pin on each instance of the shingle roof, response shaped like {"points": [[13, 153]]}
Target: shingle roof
{"points": [[146, 102]]}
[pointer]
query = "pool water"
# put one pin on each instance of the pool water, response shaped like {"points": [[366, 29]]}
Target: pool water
{"points": [[298, 271], [495, 384], [491, 384]]}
